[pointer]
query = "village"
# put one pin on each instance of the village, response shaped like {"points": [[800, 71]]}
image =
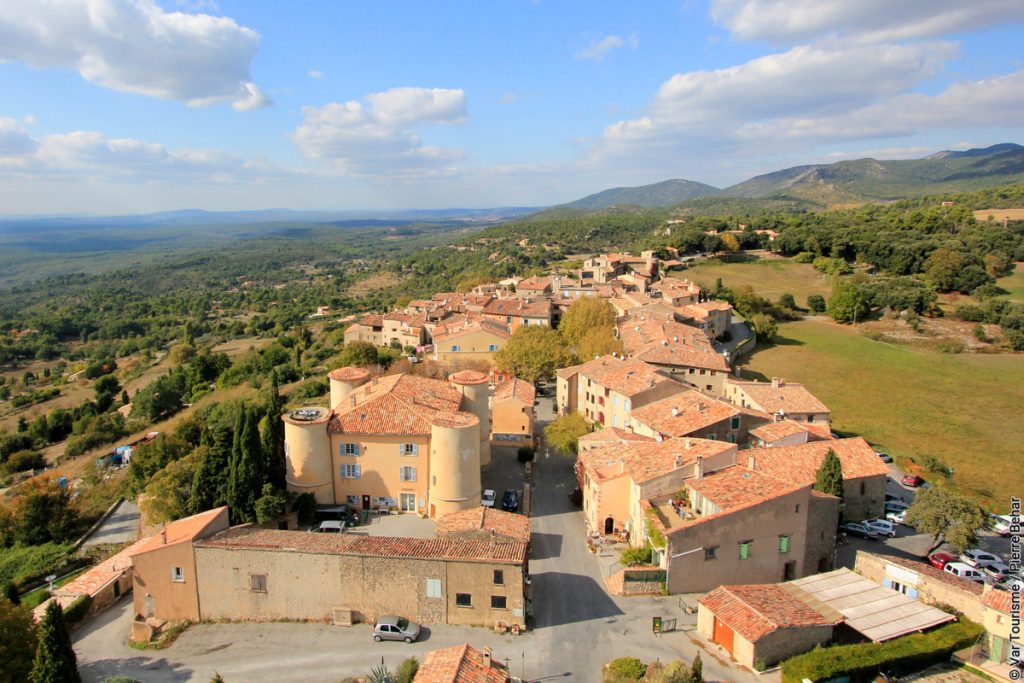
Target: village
{"points": [[689, 505]]}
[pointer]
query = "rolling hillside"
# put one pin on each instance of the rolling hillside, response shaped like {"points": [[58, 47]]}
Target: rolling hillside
{"points": [[665, 193]]}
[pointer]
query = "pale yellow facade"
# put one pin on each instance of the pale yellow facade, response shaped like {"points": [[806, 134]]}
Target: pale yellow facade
{"points": [[476, 345], [511, 418], [371, 471], [610, 408]]}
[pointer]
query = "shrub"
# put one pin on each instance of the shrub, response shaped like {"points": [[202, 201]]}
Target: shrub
{"points": [[314, 388], [305, 505], [525, 454], [635, 556], [968, 313], [630, 668], [951, 346], [816, 302], [24, 460], [407, 670], [77, 610]]}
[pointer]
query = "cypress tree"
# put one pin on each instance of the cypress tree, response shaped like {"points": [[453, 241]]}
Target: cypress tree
{"points": [[830, 476], [273, 434], [55, 658], [247, 471]]}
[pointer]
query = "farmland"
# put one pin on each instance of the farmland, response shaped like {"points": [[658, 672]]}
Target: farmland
{"points": [[770, 277]]}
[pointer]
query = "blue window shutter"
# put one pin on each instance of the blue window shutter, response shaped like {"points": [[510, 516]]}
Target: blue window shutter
{"points": [[415, 449], [912, 593], [359, 449], [887, 583], [357, 471]]}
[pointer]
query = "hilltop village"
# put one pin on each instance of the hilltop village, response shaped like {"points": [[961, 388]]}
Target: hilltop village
{"points": [[703, 483]]}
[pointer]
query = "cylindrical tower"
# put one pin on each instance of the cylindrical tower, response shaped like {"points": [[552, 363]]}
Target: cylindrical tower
{"points": [[344, 380], [475, 389], [454, 463], [307, 453]]}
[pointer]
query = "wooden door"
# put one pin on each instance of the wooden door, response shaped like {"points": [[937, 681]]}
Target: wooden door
{"points": [[723, 635]]}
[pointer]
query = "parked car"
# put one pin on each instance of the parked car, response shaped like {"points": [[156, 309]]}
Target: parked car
{"points": [[329, 526], [1000, 524], [390, 627], [998, 572], [488, 497], [510, 501], [882, 527], [884, 457], [964, 571], [892, 497], [896, 506], [976, 557], [858, 530], [940, 560], [911, 480], [895, 517]]}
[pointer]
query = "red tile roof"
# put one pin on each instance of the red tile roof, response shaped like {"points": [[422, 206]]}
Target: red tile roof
{"points": [[624, 377], [612, 435], [456, 329], [349, 374], [395, 404], [518, 307], [644, 461], [684, 413], [774, 431], [738, 487], [658, 339], [999, 600], [507, 524], [253, 538], [536, 282], [181, 531], [99, 576], [800, 463], [754, 611], [516, 388], [786, 397], [459, 664]]}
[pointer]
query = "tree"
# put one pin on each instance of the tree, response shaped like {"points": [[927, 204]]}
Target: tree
{"points": [[106, 388], [533, 353], [247, 474], [848, 303], [765, 327], [564, 433], [167, 494], [407, 670], [210, 481], [730, 243], [272, 432], [17, 642], [829, 478], [43, 513], [697, 672], [787, 301], [271, 504], [816, 302], [583, 316], [599, 341], [948, 516], [358, 353], [943, 268], [55, 658]]}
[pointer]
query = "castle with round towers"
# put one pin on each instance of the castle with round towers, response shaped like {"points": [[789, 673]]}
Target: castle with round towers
{"points": [[400, 441]]}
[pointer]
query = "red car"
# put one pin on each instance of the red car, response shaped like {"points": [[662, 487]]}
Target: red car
{"points": [[940, 560], [911, 480]]}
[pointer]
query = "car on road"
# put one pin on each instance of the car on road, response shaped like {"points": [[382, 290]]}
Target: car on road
{"points": [[998, 572], [940, 560], [329, 526], [975, 557], [884, 457], [892, 497], [964, 571], [488, 497], [882, 527], [858, 530], [390, 627], [510, 501], [911, 480], [1000, 524], [896, 506], [895, 517]]}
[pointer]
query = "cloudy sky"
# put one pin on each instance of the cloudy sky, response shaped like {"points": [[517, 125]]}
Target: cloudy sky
{"points": [[115, 106]]}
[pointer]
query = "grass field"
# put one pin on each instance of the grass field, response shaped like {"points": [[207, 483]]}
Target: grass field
{"points": [[999, 214], [1014, 282], [910, 402], [770, 277]]}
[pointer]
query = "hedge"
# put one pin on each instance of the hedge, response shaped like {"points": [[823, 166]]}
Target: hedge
{"points": [[77, 610], [908, 653]]}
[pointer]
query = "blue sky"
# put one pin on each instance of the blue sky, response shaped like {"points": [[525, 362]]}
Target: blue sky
{"points": [[115, 106]]}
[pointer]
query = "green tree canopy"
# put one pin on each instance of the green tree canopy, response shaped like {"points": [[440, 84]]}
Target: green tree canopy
{"points": [[849, 303], [948, 517], [829, 478], [533, 353], [358, 353], [598, 341], [17, 642], [55, 658], [583, 316], [564, 433]]}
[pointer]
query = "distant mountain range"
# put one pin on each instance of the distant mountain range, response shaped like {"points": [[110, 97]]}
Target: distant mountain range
{"points": [[855, 181]]}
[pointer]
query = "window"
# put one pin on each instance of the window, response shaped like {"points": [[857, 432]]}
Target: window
{"points": [[735, 423], [745, 549], [258, 583], [350, 471], [627, 404], [492, 347], [177, 575], [784, 544], [731, 438], [499, 577], [409, 449], [352, 500], [797, 510], [463, 600], [349, 449], [455, 347], [710, 553], [498, 602], [407, 474], [863, 488], [433, 588]]}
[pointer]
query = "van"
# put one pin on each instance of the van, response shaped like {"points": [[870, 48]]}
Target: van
{"points": [[964, 571]]}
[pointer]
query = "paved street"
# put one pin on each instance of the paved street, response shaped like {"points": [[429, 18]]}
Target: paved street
{"points": [[122, 526], [577, 626]]}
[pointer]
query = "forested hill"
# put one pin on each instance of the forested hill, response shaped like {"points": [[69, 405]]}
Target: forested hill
{"points": [[665, 193]]}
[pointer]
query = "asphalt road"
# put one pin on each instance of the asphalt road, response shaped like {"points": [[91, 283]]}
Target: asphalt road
{"points": [[122, 526]]}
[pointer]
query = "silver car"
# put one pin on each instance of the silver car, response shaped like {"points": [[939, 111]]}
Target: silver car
{"points": [[395, 628]]}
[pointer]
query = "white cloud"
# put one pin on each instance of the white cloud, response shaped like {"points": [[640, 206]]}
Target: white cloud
{"points": [[377, 137], [15, 142], [787, 21], [600, 47], [135, 46], [315, 73]]}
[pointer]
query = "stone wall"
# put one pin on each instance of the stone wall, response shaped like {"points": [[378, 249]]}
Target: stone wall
{"points": [[822, 521], [933, 587]]}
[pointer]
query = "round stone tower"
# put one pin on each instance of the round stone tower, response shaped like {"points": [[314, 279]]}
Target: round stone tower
{"points": [[344, 380], [454, 463], [475, 389], [307, 453]]}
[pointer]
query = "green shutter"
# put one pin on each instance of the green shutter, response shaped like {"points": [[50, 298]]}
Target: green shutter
{"points": [[783, 544], [745, 550]]}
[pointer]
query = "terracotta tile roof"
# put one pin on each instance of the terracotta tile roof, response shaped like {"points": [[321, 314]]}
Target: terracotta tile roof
{"points": [[395, 404], [180, 531], [371, 320], [999, 600], [931, 572], [456, 329], [507, 524], [673, 285], [459, 664], [657, 339], [518, 307], [349, 374], [535, 282], [737, 487], [787, 397], [773, 431], [800, 463], [754, 611], [515, 387], [99, 576], [644, 461], [705, 308], [612, 435], [469, 377], [272, 540], [625, 377], [684, 413]]}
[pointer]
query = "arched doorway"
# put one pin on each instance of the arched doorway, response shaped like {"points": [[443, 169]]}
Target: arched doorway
{"points": [[609, 525]]}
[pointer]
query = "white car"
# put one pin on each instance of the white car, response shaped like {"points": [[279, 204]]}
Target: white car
{"points": [[999, 572], [896, 506], [1000, 524], [881, 527], [979, 558], [964, 571], [487, 498], [897, 517]]}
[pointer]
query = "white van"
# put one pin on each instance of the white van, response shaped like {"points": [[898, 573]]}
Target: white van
{"points": [[964, 571]]}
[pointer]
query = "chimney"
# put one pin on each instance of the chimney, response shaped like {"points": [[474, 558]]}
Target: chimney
{"points": [[487, 657], [494, 540], [675, 339], [689, 444], [675, 411], [776, 382], [352, 400], [163, 535], [751, 462], [679, 461], [700, 467]]}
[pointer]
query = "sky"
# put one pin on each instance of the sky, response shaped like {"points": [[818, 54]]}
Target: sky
{"points": [[134, 106]]}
